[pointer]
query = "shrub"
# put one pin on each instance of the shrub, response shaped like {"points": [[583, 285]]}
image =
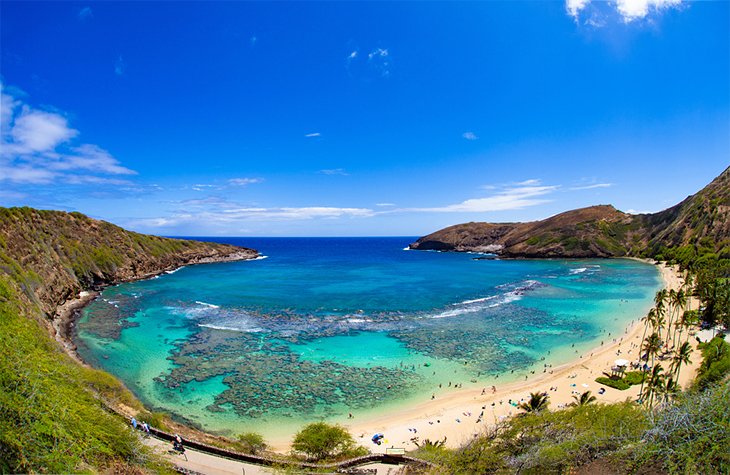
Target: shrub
{"points": [[550, 442], [252, 442], [715, 363], [693, 435], [634, 377], [320, 441], [619, 384]]}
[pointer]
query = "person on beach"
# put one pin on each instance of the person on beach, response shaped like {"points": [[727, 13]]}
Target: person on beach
{"points": [[134, 422]]}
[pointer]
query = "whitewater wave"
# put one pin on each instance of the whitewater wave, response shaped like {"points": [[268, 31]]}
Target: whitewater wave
{"points": [[483, 299], [589, 268], [259, 258], [173, 270], [205, 304], [512, 293], [233, 328]]}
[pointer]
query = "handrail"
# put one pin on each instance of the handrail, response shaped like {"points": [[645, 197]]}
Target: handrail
{"points": [[270, 461]]}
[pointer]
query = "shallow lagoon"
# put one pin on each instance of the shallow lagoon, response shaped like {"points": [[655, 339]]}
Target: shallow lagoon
{"points": [[327, 326]]}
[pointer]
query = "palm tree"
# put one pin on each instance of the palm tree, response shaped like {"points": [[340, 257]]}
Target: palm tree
{"points": [[668, 389], [655, 385], [538, 402], [677, 300], [647, 320], [681, 356], [659, 322], [583, 400], [660, 301], [651, 347]]}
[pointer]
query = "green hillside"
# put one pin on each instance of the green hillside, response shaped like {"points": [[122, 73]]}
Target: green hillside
{"points": [[53, 411]]}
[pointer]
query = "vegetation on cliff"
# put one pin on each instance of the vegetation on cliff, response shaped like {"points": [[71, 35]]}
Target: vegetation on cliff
{"points": [[694, 230], [53, 411]]}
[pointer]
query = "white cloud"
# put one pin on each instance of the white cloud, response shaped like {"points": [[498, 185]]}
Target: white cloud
{"points": [[119, 66], [85, 13], [93, 158], [244, 181], [25, 174], [382, 205], [334, 171], [383, 53], [202, 187], [313, 134], [629, 10], [37, 148], [379, 59], [469, 135], [510, 198], [575, 6], [635, 9], [352, 55], [591, 187], [38, 131], [217, 212]]}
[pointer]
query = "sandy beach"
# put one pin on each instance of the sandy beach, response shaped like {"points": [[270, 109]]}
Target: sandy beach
{"points": [[462, 414]]}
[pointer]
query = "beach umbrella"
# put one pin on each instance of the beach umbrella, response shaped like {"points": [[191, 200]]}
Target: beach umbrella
{"points": [[621, 362]]}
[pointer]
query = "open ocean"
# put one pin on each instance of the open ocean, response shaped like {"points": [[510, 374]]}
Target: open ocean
{"points": [[324, 327]]}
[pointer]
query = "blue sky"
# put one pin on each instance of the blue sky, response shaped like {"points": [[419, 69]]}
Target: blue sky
{"points": [[356, 118]]}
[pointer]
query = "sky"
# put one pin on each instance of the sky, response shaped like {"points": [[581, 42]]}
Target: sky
{"points": [[359, 118]]}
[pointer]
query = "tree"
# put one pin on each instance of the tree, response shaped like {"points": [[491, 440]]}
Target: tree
{"points": [[651, 347], [653, 386], [677, 300], [252, 442], [584, 399], [319, 441], [538, 402], [648, 319], [681, 356]]}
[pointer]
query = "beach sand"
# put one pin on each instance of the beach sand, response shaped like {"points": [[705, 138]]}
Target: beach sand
{"points": [[455, 415]]}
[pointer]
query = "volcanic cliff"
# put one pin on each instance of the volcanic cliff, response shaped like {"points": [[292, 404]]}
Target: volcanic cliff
{"points": [[600, 231]]}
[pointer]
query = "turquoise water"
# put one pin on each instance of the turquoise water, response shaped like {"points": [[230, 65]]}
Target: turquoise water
{"points": [[324, 327]]}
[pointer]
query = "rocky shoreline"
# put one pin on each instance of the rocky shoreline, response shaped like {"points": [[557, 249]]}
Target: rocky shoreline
{"points": [[66, 315]]}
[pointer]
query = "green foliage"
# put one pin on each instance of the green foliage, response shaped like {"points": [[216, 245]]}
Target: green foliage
{"points": [[321, 441], [715, 364], [634, 377], [252, 442], [619, 384], [537, 402], [693, 435], [50, 420], [549, 442], [629, 378]]}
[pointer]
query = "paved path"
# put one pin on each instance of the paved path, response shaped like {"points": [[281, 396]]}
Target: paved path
{"points": [[215, 465], [205, 463]]}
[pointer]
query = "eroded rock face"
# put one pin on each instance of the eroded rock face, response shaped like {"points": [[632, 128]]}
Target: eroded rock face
{"points": [[53, 255], [596, 231]]}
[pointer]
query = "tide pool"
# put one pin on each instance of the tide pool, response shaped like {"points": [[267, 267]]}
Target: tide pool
{"points": [[324, 327]]}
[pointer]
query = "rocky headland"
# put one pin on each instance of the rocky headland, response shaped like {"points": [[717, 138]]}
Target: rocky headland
{"points": [[702, 219], [60, 260]]}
